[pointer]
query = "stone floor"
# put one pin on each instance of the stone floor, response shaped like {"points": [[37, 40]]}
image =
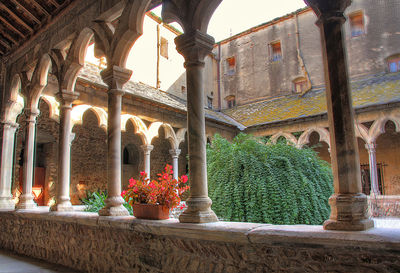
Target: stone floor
{"points": [[12, 263]]}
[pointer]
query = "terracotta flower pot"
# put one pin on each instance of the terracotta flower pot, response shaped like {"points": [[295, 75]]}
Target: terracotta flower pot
{"points": [[149, 211]]}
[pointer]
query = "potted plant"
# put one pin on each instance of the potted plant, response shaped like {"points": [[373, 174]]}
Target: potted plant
{"points": [[154, 199]]}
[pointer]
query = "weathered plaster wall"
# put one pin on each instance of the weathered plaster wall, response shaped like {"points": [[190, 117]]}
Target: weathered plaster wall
{"points": [[90, 243]]}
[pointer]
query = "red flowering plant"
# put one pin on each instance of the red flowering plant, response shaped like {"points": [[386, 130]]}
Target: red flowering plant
{"points": [[164, 191]]}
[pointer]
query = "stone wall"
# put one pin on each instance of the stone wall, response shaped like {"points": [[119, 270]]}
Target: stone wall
{"points": [[90, 243]]}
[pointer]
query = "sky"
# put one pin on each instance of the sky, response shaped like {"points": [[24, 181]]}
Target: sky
{"points": [[235, 16]]}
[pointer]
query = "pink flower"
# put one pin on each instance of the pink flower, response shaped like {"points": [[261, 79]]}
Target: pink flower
{"points": [[142, 174], [184, 178], [123, 193]]}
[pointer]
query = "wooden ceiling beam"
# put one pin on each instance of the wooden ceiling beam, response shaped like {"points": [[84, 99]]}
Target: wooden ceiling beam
{"points": [[30, 15], [1, 52], [54, 2], [12, 27], [39, 6], [16, 17], [7, 46], [8, 36]]}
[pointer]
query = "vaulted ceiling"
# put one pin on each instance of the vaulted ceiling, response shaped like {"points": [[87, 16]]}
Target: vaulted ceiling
{"points": [[21, 19]]}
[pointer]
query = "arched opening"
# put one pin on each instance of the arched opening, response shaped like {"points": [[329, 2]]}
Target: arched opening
{"points": [[320, 147], [88, 158], [132, 156]]}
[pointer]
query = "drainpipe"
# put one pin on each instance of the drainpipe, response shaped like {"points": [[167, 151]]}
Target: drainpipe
{"points": [[300, 56], [158, 57], [219, 76]]}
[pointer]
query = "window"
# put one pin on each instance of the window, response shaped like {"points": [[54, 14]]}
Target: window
{"points": [[164, 47], [230, 101], [394, 64], [300, 85], [209, 102], [276, 51], [366, 180], [357, 24], [230, 66]]}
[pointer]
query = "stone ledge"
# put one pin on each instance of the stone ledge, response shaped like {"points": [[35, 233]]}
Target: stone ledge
{"points": [[226, 231]]}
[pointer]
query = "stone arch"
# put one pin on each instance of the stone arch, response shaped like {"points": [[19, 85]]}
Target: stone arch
{"points": [[362, 132], [15, 105], [305, 136], [288, 136], [79, 110], [54, 112], [175, 139], [38, 81], [146, 133], [378, 127]]}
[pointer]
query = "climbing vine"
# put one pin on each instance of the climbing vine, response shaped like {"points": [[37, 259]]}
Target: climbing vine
{"points": [[250, 181]]}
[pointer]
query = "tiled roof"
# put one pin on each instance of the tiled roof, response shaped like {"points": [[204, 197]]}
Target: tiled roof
{"points": [[374, 90], [91, 73]]}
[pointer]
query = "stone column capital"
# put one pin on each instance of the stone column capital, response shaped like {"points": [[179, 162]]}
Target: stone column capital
{"points": [[371, 147], [31, 114], [194, 47], [115, 77], [147, 148], [9, 124], [65, 98], [175, 153]]}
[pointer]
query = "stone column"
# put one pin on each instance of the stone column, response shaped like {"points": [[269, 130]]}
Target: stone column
{"points": [[175, 156], [26, 198], [348, 203], [115, 77], [194, 46], [6, 170], [146, 152], [373, 170], [63, 200]]}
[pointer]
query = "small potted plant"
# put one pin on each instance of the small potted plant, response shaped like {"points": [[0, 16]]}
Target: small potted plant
{"points": [[154, 199]]}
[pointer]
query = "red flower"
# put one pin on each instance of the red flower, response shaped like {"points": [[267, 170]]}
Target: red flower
{"points": [[184, 178], [142, 174]]}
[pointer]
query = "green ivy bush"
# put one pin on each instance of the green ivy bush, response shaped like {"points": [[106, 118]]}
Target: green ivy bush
{"points": [[250, 181]]}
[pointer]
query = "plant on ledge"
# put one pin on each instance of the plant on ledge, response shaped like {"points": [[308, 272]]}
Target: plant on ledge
{"points": [[158, 196]]}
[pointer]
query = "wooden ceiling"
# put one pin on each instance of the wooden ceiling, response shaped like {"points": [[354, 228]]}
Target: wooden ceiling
{"points": [[21, 19]]}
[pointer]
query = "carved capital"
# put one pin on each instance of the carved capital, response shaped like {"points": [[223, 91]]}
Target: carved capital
{"points": [[31, 114], [66, 98], [115, 76], [147, 148], [371, 147], [329, 10], [175, 153], [194, 47]]}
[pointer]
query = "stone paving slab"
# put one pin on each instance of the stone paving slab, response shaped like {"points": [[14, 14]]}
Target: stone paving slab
{"points": [[13, 263]]}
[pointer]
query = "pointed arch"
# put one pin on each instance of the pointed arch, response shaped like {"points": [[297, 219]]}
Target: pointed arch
{"points": [[54, 109], [288, 136], [378, 127], [15, 104], [78, 111], [175, 139], [362, 132], [146, 134], [305, 136]]}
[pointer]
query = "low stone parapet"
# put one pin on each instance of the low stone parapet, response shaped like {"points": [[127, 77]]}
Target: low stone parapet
{"points": [[87, 242], [384, 205]]}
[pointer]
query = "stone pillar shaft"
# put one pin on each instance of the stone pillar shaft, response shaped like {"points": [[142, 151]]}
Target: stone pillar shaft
{"points": [[63, 200], [175, 166], [115, 77], [26, 198], [373, 169], [194, 46], [6, 169], [146, 152], [348, 204]]}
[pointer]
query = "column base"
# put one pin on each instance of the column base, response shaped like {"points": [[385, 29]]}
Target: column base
{"points": [[62, 206], [26, 202], [114, 207], [198, 211], [348, 213], [7, 203]]}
